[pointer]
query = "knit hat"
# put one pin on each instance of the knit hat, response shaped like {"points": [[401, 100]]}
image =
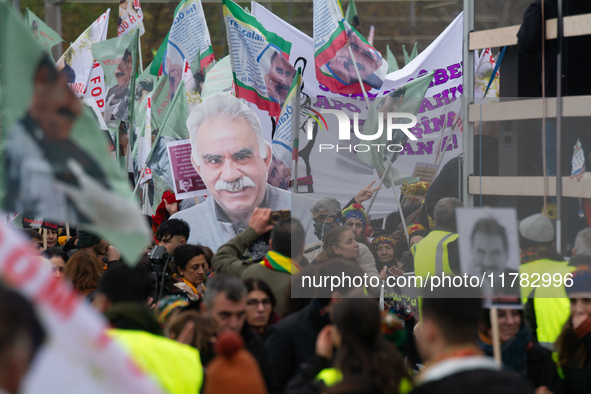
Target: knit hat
{"points": [[356, 211], [234, 370], [384, 239], [86, 240], [537, 228], [581, 281], [167, 305]]}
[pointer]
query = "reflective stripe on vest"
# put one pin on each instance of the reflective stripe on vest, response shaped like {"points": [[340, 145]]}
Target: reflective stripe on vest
{"points": [[175, 366], [332, 376], [431, 254]]}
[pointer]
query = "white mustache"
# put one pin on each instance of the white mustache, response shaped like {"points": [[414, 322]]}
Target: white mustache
{"points": [[234, 186]]}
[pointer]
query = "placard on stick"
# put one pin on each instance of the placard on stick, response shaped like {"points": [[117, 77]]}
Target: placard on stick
{"points": [[425, 172], [187, 182]]}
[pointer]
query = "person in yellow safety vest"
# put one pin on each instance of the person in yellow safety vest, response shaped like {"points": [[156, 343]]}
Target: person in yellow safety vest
{"points": [[123, 292], [175, 366], [546, 308], [362, 355], [438, 252]]}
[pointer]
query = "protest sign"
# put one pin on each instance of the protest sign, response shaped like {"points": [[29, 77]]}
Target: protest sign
{"points": [[188, 37], [186, 181], [77, 62], [425, 172], [118, 58], [89, 362], [218, 79], [44, 34], [489, 248], [337, 47], [131, 17], [56, 165], [260, 60]]}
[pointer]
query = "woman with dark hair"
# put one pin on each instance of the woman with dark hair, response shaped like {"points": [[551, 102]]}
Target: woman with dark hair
{"points": [[574, 343], [519, 352], [84, 270], [58, 259], [361, 352], [191, 268], [260, 303], [340, 243]]}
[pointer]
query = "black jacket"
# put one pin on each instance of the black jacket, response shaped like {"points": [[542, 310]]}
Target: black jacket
{"points": [[578, 379], [477, 381], [575, 80], [254, 344], [446, 184], [541, 369], [292, 342]]}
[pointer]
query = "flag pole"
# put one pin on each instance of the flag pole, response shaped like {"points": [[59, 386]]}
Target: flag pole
{"points": [[139, 47], [295, 126], [387, 168]]}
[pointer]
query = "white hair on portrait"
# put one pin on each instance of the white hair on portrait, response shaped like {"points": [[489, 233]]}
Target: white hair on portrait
{"points": [[228, 108]]}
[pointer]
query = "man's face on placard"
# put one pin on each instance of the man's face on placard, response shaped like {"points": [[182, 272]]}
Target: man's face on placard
{"points": [[231, 165], [123, 72], [367, 61], [185, 185], [488, 254], [279, 78]]}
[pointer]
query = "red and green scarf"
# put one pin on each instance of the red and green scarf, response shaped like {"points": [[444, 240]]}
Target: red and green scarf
{"points": [[280, 263]]}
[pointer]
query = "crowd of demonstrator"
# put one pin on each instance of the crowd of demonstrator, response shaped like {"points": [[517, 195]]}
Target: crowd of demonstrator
{"points": [[229, 322]]}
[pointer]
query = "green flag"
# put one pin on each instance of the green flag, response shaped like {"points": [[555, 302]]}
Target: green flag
{"points": [[118, 58], [219, 79], [392, 63], [351, 16], [55, 163], [415, 51], [44, 34], [173, 128], [413, 54], [407, 99], [160, 101]]}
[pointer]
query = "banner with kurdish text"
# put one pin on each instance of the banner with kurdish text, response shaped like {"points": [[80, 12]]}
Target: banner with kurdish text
{"points": [[260, 60], [131, 17], [44, 34], [335, 68], [188, 38], [56, 163], [77, 62], [436, 115]]}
